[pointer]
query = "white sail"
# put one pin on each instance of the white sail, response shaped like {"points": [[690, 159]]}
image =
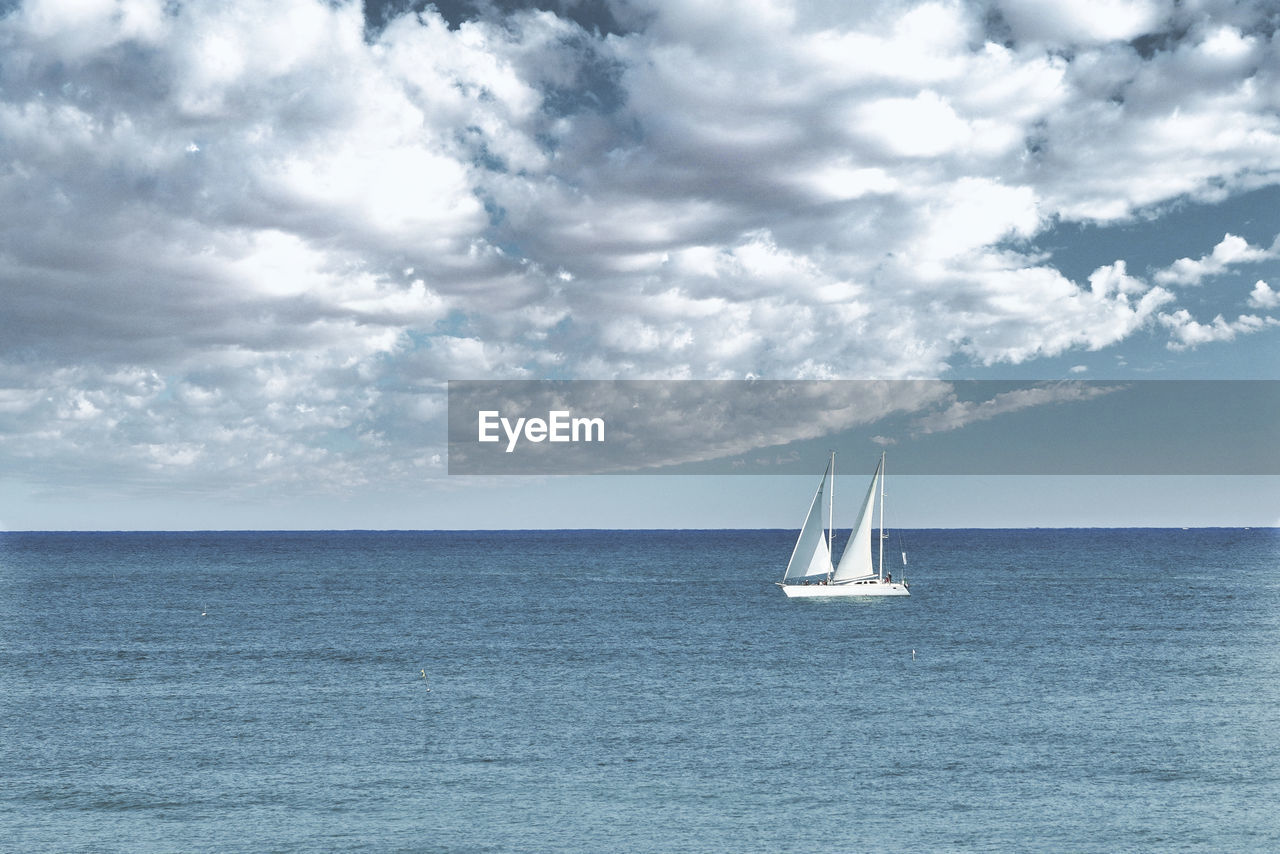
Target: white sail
{"points": [[811, 556], [856, 560]]}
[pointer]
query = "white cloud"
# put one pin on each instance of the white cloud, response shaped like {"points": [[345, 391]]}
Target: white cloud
{"points": [[1262, 296], [961, 413], [1140, 130], [1186, 332], [921, 126], [1083, 21], [973, 213], [1114, 279], [1231, 250], [999, 310]]}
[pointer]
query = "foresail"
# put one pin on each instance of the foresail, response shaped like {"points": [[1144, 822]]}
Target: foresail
{"points": [[810, 557], [856, 560], [819, 563]]}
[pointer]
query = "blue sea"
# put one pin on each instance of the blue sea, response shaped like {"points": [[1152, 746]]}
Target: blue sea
{"points": [[637, 691]]}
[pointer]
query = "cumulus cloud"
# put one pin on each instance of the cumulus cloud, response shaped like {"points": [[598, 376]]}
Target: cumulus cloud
{"points": [[247, 242], [1262, 296], [998, 310], [1087, 22], [1232, 250], [1187, 332]]}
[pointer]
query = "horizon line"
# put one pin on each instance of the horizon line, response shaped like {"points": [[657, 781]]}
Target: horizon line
{"points": [[608, 530]]}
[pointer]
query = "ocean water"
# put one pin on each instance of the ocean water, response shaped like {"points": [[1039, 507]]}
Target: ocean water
{"points": [[637, 691]]}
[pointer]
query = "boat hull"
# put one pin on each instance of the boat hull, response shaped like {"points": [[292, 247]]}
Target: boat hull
{"points": [[828, 591]]}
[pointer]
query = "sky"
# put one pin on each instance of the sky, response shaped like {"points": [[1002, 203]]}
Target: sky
{"points": [[245, 245]]}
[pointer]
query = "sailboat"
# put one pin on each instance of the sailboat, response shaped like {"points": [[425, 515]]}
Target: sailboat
{"points": [[810, 572]]}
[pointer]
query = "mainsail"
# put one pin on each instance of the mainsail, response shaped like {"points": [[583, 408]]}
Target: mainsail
{"points": [[811, 556], [856, 560]]}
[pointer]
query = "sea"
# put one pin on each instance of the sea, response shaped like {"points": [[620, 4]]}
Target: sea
{"points": [[1107, 690]]}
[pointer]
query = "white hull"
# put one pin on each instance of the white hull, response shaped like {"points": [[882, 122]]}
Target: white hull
{"points": [[852, 588]]}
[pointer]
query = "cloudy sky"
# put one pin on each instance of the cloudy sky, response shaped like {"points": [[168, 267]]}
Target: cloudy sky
{"points": [[244, 245]]}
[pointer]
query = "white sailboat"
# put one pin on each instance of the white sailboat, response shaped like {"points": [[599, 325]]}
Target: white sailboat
{"points": [[810, 572]]}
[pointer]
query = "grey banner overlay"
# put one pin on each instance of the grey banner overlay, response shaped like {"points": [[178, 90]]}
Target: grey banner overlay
{"points": [[965, 427]]}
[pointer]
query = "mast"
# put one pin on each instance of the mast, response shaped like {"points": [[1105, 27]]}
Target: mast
{"points": [[882, 515], [831, 518]]}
